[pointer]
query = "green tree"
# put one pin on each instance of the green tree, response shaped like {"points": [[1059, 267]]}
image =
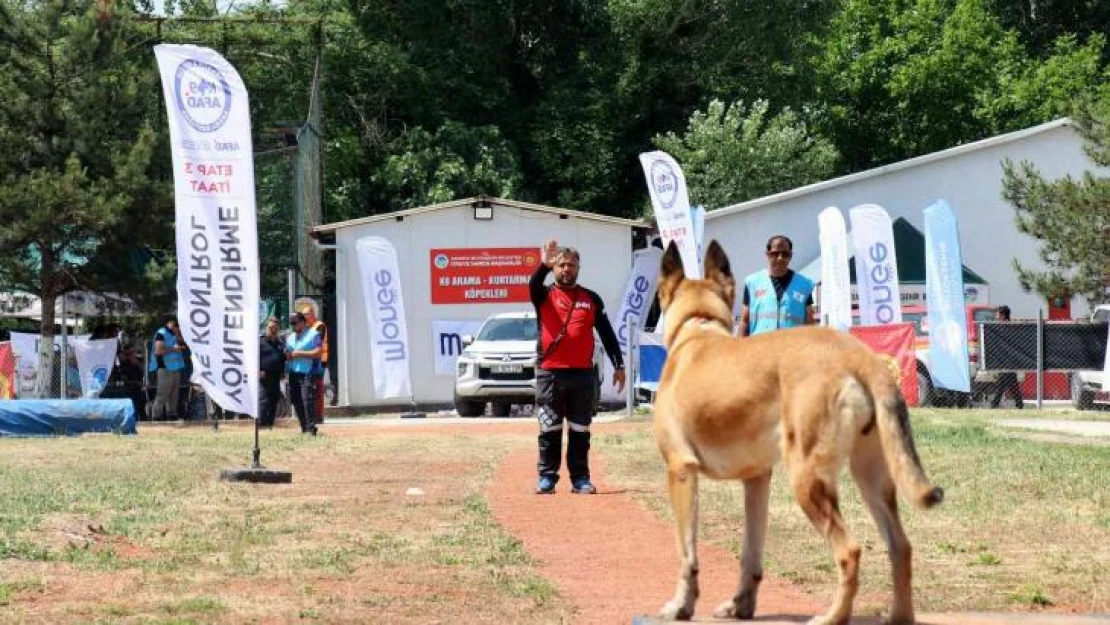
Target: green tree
{"points": [[1071, 217], [677, 56], [74, 151], [904, 78], [1041, 23], [729, 154], [1032, 91], [457, 161]]}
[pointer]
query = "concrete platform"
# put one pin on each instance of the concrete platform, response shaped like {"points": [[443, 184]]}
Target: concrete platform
{"points": [[954, 618], [1077, 428]]}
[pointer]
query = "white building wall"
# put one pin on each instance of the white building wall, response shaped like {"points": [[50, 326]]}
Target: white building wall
{"points": [[606, 250], [971, 183]]}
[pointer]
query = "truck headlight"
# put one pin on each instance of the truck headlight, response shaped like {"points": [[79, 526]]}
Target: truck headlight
{"points": [[464, 364]]}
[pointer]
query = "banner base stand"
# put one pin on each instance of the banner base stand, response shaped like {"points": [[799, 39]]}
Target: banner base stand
{"points": [[256, 473], [260, 475]]}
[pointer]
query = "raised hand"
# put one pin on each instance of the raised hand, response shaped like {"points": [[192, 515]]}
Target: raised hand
{"points": [[550, 252]]}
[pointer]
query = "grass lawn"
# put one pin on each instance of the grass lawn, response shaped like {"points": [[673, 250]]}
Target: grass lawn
{"points": [[139, 529], [1025, 523]]}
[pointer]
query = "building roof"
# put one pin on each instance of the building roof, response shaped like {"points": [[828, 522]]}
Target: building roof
{"points": [[886, 169], [909, 251], [540, 208]]}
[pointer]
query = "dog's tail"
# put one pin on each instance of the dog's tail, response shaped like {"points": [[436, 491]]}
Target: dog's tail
{"points": [[893, 419]]}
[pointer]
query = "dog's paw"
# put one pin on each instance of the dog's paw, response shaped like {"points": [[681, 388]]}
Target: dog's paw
{"points": [[742, 607], [676, 611], [825, 620]]}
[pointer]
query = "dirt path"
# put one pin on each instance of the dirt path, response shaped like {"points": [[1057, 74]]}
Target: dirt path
{"points": [[610, 558]]}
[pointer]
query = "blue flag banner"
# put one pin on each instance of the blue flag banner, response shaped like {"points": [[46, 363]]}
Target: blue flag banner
{"points": [[652, 356], [944, 300]]}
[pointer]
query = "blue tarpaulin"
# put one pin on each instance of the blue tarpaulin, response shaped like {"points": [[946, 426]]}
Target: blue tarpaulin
{"points": [[66, 417]]}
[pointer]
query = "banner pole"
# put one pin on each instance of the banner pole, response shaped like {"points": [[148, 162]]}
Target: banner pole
{"points": [[413, 413], [63, 367], [630, 374], [215, 205], [256, 453]]}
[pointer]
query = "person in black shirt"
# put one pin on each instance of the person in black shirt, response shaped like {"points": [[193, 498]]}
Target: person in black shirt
{"points": [[271, 361], [1007, 380], [130, 376], [758, 313]]}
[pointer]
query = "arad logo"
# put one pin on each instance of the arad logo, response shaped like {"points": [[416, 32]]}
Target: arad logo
{"points": [[203, 96], [441, 261], [665, 183]]}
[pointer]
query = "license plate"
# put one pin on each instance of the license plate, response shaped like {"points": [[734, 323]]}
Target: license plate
{"points": [[507, 368]]}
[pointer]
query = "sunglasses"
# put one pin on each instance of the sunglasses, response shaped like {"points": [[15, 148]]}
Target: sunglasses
{"points": [[779, 254]]}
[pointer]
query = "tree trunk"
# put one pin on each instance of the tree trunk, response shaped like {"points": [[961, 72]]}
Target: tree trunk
{"points": [[46, 389]]}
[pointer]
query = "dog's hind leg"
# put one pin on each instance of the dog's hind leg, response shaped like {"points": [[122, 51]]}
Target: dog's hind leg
{"points": [[682, 484], [877, 488], [818, 498], [757, 495]]}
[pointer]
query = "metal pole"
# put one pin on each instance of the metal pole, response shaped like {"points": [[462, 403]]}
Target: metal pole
{"points": [[1040, 358], [341, 387], [63, 367], [256, 453], [291, 288], [630, 371]]}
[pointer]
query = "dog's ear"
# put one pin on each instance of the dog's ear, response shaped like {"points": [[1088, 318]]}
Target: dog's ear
{"points": [[717, 270], [670, 275], [716, 261]]}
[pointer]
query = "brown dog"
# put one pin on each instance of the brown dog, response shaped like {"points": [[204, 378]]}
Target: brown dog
{"points": [[728, 408]]}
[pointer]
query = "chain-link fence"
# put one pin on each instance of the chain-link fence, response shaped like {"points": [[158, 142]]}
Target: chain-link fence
{"points": [[1037, 361]]}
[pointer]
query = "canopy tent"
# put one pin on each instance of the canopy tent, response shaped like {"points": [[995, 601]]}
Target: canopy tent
{"points": [[23, 305], [909, 247]]}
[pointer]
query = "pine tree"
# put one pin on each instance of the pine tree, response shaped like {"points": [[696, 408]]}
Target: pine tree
{"points": [[1070, 217], [74, 152]]}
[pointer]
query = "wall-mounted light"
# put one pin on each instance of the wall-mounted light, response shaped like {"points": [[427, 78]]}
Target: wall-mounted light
{"points": [[483, 210]]}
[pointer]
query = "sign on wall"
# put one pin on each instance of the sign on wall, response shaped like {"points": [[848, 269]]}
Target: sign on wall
{"points": [[914, 294], [482, 275], [447, 341]]}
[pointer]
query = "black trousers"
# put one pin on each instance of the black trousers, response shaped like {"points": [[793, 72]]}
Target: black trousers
{"points": [[302, 394], [565, 396], [269, 393], [1007, 381]]}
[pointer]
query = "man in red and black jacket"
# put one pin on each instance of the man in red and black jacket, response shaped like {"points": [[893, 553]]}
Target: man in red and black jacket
{"points": [[566, 314]]}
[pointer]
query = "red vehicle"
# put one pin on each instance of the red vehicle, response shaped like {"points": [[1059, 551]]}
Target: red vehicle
{"points": [[981, 383]]}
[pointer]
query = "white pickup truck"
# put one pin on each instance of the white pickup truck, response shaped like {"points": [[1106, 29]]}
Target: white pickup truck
{"points": [[1089, 388]]}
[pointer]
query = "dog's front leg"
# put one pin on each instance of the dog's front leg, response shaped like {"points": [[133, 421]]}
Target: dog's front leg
{"points": [[682, 483], [757, 495]]}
